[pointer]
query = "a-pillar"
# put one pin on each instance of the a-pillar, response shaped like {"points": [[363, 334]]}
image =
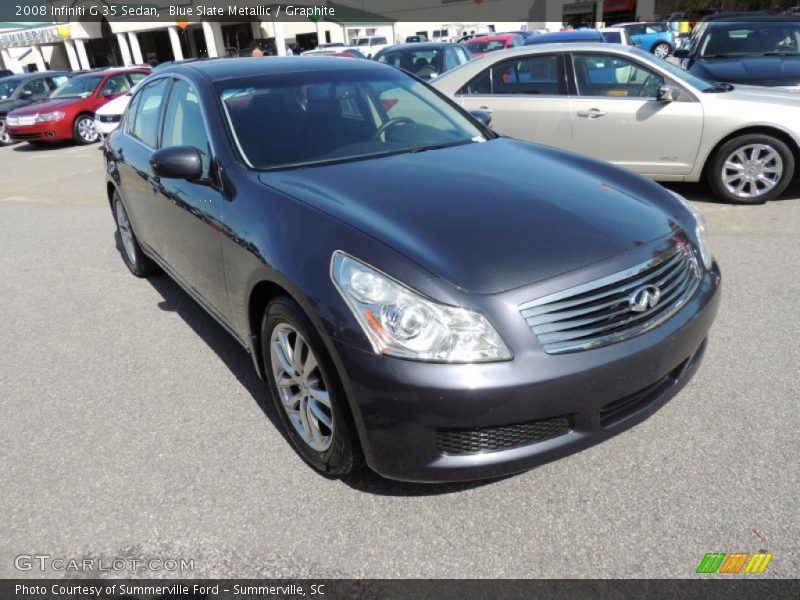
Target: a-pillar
{"points": [[82, 58], [136, 51], [175, 40], [124, 49], [72, 56], [280, 38]]}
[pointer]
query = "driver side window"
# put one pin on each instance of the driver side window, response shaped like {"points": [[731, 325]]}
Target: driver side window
{"points": [[614, 76]]}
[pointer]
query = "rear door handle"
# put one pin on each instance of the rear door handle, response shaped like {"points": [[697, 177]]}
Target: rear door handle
{"points": [[594, 113]]}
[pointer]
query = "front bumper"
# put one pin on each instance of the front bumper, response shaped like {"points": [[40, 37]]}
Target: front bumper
{"points": [[52, 131], [404, 409]]}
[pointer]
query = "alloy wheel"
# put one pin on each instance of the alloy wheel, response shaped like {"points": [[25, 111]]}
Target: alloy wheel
{"points": [[125, 233], [5, 137], [302, 389], [752, 171], [661, 50], [86, 130]]}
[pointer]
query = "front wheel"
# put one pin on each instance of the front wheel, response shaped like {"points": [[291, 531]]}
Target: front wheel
{"points": [[307, 391], [751, 169], [5, 137], [138, 264], [662, 50], [83, 130]]}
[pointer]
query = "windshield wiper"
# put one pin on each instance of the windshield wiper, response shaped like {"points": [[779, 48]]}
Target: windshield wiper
{"points": [[779, 53], [439, 146]]}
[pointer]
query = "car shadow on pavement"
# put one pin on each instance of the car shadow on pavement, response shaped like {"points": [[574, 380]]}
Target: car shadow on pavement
{"points": [[236, 358], [700, 192], [26, 147]]}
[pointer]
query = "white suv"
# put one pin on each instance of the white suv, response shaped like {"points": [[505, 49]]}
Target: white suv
{"points": [[370, 45]]}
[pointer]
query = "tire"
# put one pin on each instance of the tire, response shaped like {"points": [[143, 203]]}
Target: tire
{"points": [[334, 449], [662, 50], [83, 130], [5, 137], [751, 156], [136, 261]]}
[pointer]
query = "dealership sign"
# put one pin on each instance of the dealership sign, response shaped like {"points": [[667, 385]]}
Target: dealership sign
{"points": [[39, 35]]}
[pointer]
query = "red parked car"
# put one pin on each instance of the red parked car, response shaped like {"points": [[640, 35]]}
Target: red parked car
{"points": [[489, 43], [68, 113]]}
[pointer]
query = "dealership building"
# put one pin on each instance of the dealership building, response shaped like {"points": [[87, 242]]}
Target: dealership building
{"points": [[83, 40]]}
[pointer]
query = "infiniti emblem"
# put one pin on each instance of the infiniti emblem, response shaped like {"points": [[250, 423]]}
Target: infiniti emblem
{"points": [[643, 298]]}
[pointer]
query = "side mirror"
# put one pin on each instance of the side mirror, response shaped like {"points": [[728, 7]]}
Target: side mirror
{"points": [[177, 162], [668, 93], [484, 116], [681, 53], [107, 94], [25, 94]]}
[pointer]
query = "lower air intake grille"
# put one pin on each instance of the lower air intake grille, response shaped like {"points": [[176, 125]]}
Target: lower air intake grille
{"points": [[501, 437]]}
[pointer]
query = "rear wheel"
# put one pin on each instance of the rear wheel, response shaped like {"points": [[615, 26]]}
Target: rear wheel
{"points": [[751, 169], [307, 391], [662, 49], [83, 130]]}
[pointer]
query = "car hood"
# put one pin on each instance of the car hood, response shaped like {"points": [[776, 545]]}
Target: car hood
{"points": [[758, 70], [491, 216], [114, 107], [46, 106], [762, 94]]}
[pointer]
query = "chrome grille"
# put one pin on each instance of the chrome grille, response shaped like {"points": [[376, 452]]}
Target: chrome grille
{"points": [[598, 313], [25, 120]]}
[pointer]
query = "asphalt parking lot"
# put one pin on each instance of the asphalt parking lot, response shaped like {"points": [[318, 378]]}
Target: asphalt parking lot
{"points": [[135, 427]]}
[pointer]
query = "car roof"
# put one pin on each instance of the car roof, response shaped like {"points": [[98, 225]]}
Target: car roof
{"points": [[748, 17], [493, 37], [418, 46], [234, 68], [564, 36], [35, 74]]}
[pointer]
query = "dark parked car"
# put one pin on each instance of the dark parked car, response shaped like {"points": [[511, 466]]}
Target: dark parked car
{"points": [[741, 50], [418, 293], [21, 90], [5, 73], [425, 60]]}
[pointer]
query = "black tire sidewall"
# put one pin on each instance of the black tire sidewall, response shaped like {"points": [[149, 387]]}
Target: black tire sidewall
{"points": [[344, 454], [715, 167], [142, 266]]}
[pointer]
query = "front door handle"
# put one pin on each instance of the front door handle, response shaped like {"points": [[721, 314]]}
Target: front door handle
{"points": [[594, 113], [486, 108]]}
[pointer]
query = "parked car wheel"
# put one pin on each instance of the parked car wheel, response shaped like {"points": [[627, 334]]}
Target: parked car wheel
{"points": [[306, 390], [139, 264], [83, 130], [5, 137], [662, 50], [751, 169]]}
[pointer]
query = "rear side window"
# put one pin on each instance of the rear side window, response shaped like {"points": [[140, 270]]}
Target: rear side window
{"points": [[116, 85], [144, 125], [540, 74], [137, 77]]}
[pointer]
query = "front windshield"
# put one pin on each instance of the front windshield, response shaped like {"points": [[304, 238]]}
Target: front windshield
{"points": [[310, 118], [752, 38], [422, 63], [78, 87], [7, 87], [696, 82], [485, 46]]}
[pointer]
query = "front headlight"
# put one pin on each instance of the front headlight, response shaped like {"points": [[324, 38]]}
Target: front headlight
{"points": [[700, 231], [51, 116], [401, 322]]}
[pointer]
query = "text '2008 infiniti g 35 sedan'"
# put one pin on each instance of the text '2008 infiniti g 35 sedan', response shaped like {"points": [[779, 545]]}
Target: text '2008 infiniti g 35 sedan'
{"points": [[419, 293]]}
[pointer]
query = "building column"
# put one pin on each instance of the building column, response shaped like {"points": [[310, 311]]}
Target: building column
{"points": [[82, 58], [124, 49], [214, 42], [175, 40], [72, 57], [9, 62], [280, 38], [38, 58], [136, 50]]}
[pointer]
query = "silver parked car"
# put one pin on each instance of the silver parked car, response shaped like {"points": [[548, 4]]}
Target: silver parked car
{"points": [[626, 106]]}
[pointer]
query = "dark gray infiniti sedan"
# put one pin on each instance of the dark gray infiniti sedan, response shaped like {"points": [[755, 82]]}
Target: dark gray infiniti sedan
{"points": [[419, 294]]}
